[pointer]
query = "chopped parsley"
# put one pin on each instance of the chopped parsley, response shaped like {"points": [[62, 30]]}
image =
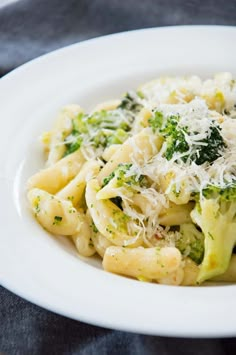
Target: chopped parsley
{"points": [[37, 207], [94, 228], [57, 220]]}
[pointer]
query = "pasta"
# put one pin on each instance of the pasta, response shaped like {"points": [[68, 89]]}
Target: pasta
{"points": [[63, 127], [55, 177], [83, 238], [109, 219], [100, 243], [74, 190], [138, 148], [147, 182], [55, 215], [147, 263]]}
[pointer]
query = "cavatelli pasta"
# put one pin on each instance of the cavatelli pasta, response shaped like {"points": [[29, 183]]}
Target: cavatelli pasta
{"points": [[147, 181]]}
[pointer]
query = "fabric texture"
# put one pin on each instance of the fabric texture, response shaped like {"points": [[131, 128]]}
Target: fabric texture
{"points": [[26, 329], [29, 28]]}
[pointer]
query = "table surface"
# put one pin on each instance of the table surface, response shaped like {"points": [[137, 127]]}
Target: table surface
{"points": [[29, 28]]}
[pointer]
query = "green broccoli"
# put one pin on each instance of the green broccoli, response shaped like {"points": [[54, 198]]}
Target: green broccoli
{"points": [[156, 121], [105, 127], [108, 178], [175, 137], [118, 137], [122, 179], [215, 214], [130, 103], [79, 124], [100, 129], [227, 193], [117, 179], [111, 119], [191, 242], [213, 149]]}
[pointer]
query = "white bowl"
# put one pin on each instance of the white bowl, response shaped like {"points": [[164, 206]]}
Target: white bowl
{"points": [[47, 270]]}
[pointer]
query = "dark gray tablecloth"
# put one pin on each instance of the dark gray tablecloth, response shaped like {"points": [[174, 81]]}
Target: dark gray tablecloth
{"points": [[29, 28]]}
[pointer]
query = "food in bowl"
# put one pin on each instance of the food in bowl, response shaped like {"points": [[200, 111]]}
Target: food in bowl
{"points": [[148, 182]]}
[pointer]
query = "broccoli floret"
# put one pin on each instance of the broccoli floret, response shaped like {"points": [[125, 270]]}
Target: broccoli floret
{"points": [[108, 178], [118, 137], [212, 150], [227, 193], [100, 129], [156, 121], [108, 120], [120, 173], [175, 137], [215, 214], [129, 102], [119, 180], [122, 178], [75, 140], [79, 124], [76, 144], [191, 242]]}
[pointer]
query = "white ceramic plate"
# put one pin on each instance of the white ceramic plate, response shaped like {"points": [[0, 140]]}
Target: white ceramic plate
{"points": [[47, 271]]}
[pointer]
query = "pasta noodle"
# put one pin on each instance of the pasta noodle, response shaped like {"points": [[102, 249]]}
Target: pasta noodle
{"points": [[139, 148], [63, 128], [108, 105], [176, 214], [74, 190], [108, 218], [151, 263], [100, 243], [55, 177], [191, 271], [147, 182], [110, 151], [56, 216], [83, 238]]}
